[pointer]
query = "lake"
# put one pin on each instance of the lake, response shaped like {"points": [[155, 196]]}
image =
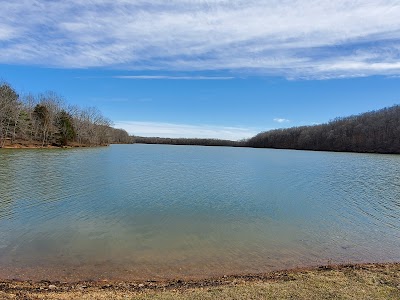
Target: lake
{"points": [[159, 211]]}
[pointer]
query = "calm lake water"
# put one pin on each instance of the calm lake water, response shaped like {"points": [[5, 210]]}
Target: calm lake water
{"points": [[158, 211]]}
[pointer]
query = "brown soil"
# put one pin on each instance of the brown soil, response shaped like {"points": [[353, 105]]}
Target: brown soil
{"points": [[351, 281]]}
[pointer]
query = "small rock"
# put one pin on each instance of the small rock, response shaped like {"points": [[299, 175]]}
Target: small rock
{"points": [[52, 287], [41, 281], [141, 285]]}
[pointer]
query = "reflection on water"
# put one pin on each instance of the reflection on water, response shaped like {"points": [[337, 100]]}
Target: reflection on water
{"points": [[152, 211]]}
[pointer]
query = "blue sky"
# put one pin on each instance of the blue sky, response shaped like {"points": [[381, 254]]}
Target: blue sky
{"points": [[225, 69]]}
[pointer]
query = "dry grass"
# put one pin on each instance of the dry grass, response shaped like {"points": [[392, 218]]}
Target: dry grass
{"points": [[368, 281]]}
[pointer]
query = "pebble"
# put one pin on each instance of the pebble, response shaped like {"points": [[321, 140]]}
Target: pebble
{"points": [[52, 287]]}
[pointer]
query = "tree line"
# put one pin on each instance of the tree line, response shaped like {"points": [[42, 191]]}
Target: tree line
{"points": [[186, 141], [373, 132], [45, 119]]}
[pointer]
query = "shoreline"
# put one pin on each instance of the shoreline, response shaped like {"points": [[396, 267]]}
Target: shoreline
{"points": [[360, 273], [33, 146]]}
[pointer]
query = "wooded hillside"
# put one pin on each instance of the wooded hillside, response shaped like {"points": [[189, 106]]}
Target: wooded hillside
{"points": [[185, 141], [45, 119], [374, 132]]}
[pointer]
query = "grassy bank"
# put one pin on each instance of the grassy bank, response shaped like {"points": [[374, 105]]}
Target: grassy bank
{"points": [[365, 281]]}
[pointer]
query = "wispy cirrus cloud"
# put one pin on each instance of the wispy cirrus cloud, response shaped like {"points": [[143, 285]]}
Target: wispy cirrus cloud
{"points": [[150, 77], [296, 39], [172, 130], [281, 120]]}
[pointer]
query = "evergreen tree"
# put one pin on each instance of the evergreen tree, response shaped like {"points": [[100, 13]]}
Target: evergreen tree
{"points": [[66, 131]]}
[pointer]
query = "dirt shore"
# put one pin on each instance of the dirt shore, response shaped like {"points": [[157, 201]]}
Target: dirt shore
{"points": [[33, 145], [351, 281]]}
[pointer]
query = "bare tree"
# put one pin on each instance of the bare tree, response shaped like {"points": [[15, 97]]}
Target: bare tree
{"points": [[376, 131], [9, 109], [46, 119]]}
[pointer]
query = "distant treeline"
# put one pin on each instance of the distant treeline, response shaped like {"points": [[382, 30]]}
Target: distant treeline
{"points": [[186, 141], [45, 119], [372, 132]]}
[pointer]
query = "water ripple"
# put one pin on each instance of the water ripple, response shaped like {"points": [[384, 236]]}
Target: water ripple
{"points": [[169, 211]]}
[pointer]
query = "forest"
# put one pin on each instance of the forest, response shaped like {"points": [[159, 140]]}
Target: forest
{"points": [[372, 132], [186, 141], [46, 120]]}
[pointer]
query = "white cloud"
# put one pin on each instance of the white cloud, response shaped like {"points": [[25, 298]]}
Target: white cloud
{"points": [[6, 33], [281, 120], [159, 129], [142, 77], [292, 38]]}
